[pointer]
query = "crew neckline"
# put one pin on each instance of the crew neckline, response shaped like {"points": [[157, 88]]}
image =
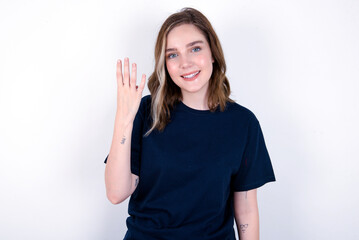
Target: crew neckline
{"points": [[192, 110]]}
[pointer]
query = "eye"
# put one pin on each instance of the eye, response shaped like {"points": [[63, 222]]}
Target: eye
{"points": [[171, 55], [196, 49]]}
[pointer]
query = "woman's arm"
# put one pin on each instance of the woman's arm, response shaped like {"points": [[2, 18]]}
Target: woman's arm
{"points": [[246, 214], [119, 180]]}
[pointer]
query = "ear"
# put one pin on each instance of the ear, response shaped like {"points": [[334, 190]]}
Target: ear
{"points": [[212, 60]]}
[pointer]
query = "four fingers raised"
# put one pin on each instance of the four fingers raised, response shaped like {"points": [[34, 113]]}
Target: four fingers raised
{"points": [[124, 79]]}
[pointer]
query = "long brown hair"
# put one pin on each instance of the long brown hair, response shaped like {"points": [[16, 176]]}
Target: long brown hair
{"points": [[164, 92]]}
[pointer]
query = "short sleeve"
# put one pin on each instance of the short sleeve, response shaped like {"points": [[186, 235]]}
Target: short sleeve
{"points": [[136, 138], [255, 168]]}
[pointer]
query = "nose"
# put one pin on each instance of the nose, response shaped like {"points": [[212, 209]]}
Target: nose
{"points": [[185, 61]]}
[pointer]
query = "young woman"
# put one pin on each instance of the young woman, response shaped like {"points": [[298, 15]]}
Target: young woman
{"points": [[190, 157]]}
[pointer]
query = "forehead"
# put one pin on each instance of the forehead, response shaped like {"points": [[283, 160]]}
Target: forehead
{"points": [[184, 34]]}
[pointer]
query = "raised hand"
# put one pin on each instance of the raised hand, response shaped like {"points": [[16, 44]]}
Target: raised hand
{"points": [[128, 94]]}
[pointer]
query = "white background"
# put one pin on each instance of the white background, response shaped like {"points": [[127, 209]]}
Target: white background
{"points": [[295, 64]]}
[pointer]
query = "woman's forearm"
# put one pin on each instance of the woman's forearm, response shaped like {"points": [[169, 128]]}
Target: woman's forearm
{"points": [[248, 225], [118, 176]]}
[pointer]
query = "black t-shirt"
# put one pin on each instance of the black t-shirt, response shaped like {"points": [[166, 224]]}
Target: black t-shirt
{"points": [[188, 172]]}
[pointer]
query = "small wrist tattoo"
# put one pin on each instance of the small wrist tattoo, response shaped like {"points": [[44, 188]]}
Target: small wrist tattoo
{"points": [[123, 140], [243, 227]]}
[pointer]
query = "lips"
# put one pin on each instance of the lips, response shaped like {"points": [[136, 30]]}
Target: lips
{"points": [[191, 75]]}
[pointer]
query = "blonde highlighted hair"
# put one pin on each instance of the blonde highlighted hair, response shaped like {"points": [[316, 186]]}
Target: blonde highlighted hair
{"points": [[164, 92]]}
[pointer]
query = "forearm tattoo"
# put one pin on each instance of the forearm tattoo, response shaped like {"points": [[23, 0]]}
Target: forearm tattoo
{"points": [[123, 139], [136, 182], [243, 227]]}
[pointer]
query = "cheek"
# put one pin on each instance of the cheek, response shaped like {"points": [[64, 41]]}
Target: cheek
{"points": [[171, 68], [204, 60]]}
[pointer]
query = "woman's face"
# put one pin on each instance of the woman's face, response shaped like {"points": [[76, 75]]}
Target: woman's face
{"points": [[189, 59]]}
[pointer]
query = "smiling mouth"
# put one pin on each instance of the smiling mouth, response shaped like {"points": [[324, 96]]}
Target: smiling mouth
{"points": [[192, 75]]}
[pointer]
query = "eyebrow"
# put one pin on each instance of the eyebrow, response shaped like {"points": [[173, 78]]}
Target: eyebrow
{"points": [[188, 45]]}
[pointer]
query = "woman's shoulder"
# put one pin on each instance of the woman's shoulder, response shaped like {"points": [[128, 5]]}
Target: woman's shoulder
{"points": [[145, 101], [241, 111], [146, 98], [145, 105]]}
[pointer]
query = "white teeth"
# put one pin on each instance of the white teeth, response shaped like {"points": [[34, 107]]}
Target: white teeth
{"points": [[191, 75]]}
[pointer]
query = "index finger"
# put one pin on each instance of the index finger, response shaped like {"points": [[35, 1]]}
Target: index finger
{"points": [[119, 73]]}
